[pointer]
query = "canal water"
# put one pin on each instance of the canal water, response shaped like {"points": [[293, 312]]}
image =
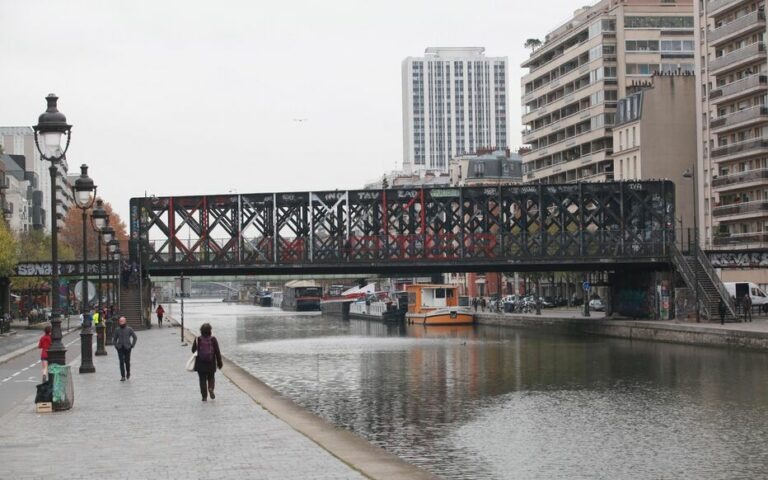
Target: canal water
{"points": [[491, 402]]}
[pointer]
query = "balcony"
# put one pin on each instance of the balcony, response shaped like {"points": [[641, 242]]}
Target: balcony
{"points": [[737, 58], [738, 27], [759, 207], [739, 87], [739, 180], [737, 119], [740, 239], [715, 7], [741, 149]]}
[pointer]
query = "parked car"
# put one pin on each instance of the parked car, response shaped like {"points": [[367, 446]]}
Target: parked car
{"points": [[597, 305]]}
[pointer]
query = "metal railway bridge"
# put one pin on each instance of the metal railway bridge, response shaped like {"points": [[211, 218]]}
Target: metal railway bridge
{"points": [[588, 226]]}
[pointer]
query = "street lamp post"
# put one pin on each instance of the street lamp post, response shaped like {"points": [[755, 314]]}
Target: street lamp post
{"points": [[51, 125], [116, 254], [688, 173], [99, 219], [107, 234], [84, 192]]}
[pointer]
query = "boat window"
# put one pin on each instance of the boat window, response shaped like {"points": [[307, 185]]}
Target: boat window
{"points": [[411, 298], [440, 293]]}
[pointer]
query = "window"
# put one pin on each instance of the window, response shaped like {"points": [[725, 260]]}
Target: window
{"points": [[658, 22], [642, 45], [479, 169]]}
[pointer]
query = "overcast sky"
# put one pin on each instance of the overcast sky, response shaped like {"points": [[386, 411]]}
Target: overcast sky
{"points": [[193, 97]]}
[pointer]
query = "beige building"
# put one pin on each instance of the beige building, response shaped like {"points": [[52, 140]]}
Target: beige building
{"points": [[655, 137], [733, 145], [604, 52]]}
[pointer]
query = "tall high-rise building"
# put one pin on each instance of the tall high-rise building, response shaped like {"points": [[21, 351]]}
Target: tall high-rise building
{"points": [[733, 141], [733, 123], [454, 103], [575, 77]]}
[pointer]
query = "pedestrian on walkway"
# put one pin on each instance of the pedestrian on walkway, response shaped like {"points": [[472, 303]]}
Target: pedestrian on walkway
{"points": [[44, 344], [208, 358], [721, 311], [482, 303], [747, 303], [474, 303], [124, 341], [160, 312]]}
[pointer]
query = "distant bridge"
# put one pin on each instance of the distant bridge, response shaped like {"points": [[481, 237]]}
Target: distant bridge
{"points": [[586, 226]]}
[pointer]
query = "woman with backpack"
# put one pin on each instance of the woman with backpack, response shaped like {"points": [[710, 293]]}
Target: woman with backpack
{"points": [[208, 358]]}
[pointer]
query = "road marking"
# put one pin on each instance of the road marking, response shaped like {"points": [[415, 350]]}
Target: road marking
{"points": [[31, 379]]}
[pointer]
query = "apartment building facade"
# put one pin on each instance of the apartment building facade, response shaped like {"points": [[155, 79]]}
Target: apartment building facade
{"points": [[20, 143], [654, 136], [604, 52], [733, 142], [454, 103]]}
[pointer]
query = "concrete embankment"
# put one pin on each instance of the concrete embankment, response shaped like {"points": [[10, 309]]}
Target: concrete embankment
{"points": [[740, 335]]}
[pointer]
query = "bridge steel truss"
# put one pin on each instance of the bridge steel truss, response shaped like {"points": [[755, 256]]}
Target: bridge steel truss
{"points": [[409, 230]]}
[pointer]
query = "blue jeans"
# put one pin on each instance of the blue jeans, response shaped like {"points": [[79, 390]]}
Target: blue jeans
{"points": [[124, 355]]}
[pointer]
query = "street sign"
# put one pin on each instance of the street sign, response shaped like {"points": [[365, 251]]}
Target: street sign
{"points": [[586, 286]]}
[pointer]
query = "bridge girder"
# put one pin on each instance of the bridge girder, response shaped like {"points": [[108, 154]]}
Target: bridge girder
{"points": [[402, 231]]}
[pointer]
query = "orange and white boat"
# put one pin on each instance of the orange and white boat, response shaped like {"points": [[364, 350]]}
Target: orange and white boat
{"points": [[431, 304]]}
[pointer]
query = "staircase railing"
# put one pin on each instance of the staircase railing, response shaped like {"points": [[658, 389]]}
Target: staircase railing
{"points": [[689, 277], [706, 265]]}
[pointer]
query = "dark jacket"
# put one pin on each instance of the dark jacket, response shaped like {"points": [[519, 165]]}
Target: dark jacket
{"points": [[208, 366], [124, 338]]}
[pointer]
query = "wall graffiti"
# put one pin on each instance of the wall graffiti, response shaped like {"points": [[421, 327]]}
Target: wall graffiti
{"points": [[739, 259]]}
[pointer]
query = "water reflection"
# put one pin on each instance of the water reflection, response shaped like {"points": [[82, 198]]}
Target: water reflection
{"points": [[490, 402]]}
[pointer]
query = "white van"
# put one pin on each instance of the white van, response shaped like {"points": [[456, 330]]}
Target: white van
{"points": [[738, 289]]}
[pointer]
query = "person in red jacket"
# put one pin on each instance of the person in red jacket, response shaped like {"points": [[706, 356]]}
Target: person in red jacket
{"points": [[160, 312], [44, 344]]}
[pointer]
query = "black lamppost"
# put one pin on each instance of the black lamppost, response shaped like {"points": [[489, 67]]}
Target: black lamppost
{"points": [[107, 234], [116, 256], [688, 173], [99, 218], [51, 125], [85, 192]]}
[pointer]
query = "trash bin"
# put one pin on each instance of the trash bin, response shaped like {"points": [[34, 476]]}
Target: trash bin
{"points": [[509, 307], [63, 389]]}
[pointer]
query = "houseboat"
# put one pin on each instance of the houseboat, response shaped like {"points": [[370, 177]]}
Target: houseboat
{"points": [[431, 304], [263, 298], [301, 295], [380, 306]]}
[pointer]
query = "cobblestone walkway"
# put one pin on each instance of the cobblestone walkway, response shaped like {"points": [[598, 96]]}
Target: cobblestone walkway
{"points": [[155, 426]]}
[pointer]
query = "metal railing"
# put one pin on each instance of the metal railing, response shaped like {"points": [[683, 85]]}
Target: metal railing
{"points": [[735, 118], [685, 270], [709, 270], [756, 206], [715, 5], [738, 86], [740, 177], [739, 147], [755, 18], [735, 56]]}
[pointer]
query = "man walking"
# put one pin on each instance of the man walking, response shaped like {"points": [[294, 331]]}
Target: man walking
{"points": [[124, 340], [747, 303], [721, 310]]}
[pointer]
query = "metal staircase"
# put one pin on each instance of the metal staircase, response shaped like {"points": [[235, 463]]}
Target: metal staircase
{"points": [[696, 270]]}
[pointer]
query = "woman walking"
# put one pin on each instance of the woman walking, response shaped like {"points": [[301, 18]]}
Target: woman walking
{"points": [[208, 358], [44, 344]]}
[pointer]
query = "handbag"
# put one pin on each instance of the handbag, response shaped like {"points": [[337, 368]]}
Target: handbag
{"points": [[191, 362]]}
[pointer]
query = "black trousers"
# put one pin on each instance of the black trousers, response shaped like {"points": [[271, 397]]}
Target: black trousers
{"points": [[124, 356], [207, 382]]}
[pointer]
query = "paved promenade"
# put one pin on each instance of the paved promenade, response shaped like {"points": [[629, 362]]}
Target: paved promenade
{"points": [[156, 426]]}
